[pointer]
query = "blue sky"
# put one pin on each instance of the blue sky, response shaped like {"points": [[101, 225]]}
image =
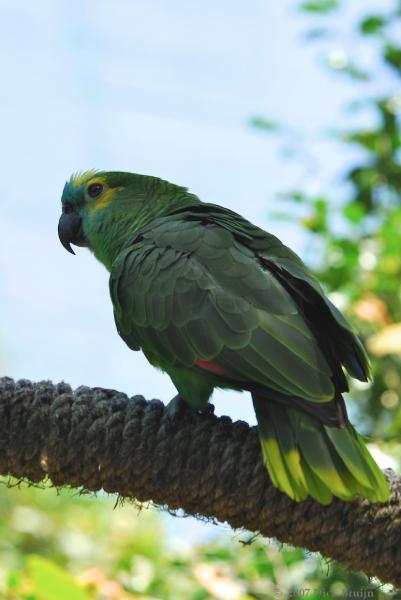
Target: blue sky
{"points": [[156, 87]]}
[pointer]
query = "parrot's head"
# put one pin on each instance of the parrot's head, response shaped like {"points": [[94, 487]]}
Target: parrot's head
{"points": [[101, 209], [85, 200]]}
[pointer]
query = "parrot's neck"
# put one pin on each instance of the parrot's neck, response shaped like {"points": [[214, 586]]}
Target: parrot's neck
{"points": [[111, 230]]}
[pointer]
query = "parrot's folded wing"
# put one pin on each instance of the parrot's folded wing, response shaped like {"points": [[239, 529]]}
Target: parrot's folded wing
{"points": [[184, 291]]}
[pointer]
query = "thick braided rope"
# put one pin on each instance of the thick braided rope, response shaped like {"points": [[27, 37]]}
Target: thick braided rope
{"points": [[100, 439]]}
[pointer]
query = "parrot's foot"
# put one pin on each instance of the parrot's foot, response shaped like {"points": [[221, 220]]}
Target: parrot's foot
{"points": [[175, 408]]}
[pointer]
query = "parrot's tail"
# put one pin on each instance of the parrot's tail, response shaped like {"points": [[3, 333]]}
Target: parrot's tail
{"points": [[305, 457]]}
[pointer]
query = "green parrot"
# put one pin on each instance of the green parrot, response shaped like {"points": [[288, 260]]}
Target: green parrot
{"points": [[215, 301]]}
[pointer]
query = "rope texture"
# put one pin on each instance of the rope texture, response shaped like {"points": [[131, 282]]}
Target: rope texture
{"points": [[97, 438]]}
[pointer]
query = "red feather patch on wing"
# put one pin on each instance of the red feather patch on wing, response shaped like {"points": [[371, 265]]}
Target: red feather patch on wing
{"points": [[210, 366]]}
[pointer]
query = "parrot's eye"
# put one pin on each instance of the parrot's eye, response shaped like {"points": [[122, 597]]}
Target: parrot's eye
{"points": [[95, 189]]}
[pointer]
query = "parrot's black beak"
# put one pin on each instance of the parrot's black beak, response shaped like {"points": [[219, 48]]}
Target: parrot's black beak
{"points": [[70, 231]]}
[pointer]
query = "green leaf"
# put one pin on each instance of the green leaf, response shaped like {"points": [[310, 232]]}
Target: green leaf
{"points": [[354, 212], [372, 25], [317, 221], [51, 581], [392, 55], [320, 7], [365, 179], [266, 124], [376, 141]]}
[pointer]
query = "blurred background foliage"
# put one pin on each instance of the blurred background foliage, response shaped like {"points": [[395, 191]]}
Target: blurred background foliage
{"points": [[63, 546], [59, 545]]}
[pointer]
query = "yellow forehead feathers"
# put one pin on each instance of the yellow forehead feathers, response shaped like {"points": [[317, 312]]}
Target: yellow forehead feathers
{"points": [[80, 177]]}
